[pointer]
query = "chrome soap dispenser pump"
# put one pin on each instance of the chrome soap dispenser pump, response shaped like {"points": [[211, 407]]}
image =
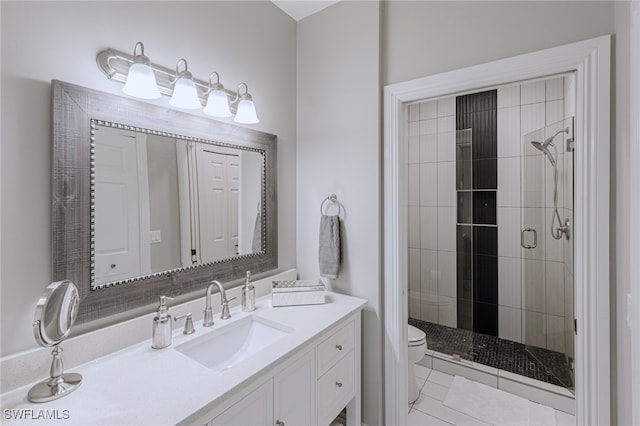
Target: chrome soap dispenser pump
{"points": [[248, 295], [162, 325]]}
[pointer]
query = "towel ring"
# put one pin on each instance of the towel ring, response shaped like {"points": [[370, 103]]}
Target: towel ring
{"points": [[334, 199]]}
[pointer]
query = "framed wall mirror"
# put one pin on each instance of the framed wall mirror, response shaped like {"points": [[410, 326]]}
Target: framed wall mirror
{"points": [[148, 201]]}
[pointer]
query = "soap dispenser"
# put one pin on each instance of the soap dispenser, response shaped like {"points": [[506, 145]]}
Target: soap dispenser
{"points": [[248, 295], [162, 325]]}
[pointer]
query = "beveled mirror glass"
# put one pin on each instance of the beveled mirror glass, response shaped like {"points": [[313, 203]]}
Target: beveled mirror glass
{"points": [[149, 201]]}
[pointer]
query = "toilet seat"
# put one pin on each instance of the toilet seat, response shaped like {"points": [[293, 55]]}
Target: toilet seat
{"points": [[416, 337]]}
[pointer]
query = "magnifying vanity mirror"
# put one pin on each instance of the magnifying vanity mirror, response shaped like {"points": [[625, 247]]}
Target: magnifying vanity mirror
{"points": [[149, 201], [55, 315]]}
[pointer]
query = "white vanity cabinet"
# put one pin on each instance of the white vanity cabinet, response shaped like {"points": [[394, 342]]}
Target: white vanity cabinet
{"points": [[309, 388]]}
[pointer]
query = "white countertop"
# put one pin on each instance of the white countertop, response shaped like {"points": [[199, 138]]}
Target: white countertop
{"points": [[141, 385]]}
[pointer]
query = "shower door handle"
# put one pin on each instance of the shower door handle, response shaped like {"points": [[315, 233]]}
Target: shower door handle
{"points": [[535, 238]]}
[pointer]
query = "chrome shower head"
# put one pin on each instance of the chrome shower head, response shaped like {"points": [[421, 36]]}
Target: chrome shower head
{"points": [[543, 146]]}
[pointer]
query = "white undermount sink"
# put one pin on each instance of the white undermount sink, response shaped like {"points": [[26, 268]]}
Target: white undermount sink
{"points": [[221, 349]]}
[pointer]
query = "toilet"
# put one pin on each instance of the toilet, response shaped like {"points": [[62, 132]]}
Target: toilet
{"points": [[417, 342]]}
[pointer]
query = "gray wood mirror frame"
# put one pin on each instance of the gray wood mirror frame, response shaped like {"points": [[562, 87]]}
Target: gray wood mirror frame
{"points": [[77, 112]]}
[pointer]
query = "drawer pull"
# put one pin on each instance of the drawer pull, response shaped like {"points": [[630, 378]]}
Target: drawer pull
{"points": [[339, 384], [339, 347], [279, 423]]}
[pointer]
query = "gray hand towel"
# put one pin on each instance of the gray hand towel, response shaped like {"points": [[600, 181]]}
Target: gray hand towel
{"points": [[329, 246]]}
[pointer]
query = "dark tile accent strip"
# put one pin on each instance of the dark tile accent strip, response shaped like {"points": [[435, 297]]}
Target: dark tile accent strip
{"points": [[484, 207]]}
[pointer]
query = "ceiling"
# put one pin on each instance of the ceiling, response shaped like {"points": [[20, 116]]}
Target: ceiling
{"points": [[300, 9]]}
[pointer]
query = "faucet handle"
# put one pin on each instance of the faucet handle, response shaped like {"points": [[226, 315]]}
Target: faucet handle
{"points": [[188, 323], [225, 308]]}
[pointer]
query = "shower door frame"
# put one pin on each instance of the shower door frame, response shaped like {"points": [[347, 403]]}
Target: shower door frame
{"points": [[591, 59]]}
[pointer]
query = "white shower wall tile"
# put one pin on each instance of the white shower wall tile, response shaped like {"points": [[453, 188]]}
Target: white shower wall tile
{"points": [[509, 96], [447, 183], [414, 112], [554, 111], [570, 95], [428, 148], [534, 328], [510, 282], [414, 269], [428, 110], [509, 182], [555, 290], [414, 304], [447, 311], [429, 184], [508, 132], [533, 286], [429, 271], [532, 92], [447, 106], [414, 227], [447, 146], [532, 118], [429, 307], [414, 128], [554, 88], [533, 181], [428, 127], [414, 184], [509, 232], [447, 229], [429, 228], [414, 149], [447, 283], [555, 333], [510, 324]]}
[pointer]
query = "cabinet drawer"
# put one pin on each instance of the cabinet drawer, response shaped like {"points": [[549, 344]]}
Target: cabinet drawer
{"points": [[335, 347], [336, 388]]}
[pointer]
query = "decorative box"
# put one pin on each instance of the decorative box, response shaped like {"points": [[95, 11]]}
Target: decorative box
{"points": [[297, 292]]}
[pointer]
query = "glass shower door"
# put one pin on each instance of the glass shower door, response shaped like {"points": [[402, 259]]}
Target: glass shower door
{"points": [[547, 249]]}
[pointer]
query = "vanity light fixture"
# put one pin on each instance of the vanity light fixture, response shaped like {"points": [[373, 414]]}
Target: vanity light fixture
{"points": [[219, 101], [246, 113], [185, 93], [141, 81]]}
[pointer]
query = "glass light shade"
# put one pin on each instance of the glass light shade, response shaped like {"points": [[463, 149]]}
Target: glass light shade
{"points": [[141, 82], [185, 95], [217, 104], [246, 113]]}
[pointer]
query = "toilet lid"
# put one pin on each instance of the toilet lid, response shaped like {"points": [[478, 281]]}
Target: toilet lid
{"points": [[416, 336]]}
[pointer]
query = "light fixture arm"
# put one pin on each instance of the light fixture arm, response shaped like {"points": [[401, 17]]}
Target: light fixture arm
{"points": [[245, 95], [115, 65], [216, 85]]}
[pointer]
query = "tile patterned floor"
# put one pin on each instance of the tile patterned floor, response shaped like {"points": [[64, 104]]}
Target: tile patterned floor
{"points": [[498, 353], [429, 409]]}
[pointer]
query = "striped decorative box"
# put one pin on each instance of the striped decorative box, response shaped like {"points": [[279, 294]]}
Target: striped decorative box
{"points": [[297, 292]]}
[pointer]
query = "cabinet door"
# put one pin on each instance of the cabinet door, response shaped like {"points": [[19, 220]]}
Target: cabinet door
{"points": [[295, 393], [255, 409]]}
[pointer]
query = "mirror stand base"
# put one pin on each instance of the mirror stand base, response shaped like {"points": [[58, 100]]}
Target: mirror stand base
{"points": [[58, 385], [54, 388]]}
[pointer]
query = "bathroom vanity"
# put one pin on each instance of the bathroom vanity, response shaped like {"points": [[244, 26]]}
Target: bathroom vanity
{"points": [[273, 366]]}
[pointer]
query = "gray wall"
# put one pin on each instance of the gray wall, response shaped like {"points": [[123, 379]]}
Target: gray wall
{"points": [[338, 151], [59, 40]]}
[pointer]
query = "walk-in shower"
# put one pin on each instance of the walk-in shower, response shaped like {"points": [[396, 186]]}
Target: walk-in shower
{"points": [[489, 172]]}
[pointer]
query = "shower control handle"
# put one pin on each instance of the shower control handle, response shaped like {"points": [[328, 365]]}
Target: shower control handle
{"points": [[535, 238]]}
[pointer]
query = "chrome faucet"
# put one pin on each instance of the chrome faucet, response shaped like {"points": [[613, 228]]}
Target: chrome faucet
{"points": [[208, 312]]}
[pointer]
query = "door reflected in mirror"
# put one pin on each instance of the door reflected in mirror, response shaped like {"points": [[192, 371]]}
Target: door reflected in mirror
{"points": [[167, 203]]}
